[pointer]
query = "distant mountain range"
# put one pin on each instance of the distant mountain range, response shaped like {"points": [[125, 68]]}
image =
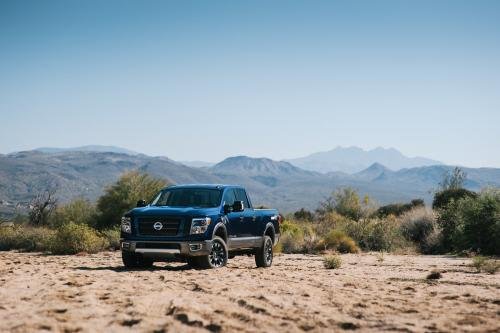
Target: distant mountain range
{"points": [[93, 148], [278, 184], [355, 159]]}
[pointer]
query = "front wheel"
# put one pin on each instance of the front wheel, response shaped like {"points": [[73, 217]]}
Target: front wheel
{"points": [[264, 254], [217, 257]]}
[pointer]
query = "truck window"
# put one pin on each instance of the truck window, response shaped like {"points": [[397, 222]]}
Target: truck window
{"points": [[241, 195], [188, 197], [229, 197]]}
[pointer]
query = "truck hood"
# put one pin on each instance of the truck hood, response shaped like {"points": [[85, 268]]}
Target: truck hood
{"points": [[173, 211]]}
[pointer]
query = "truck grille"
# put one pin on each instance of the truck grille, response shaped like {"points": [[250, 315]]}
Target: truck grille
{"points": [[169, 226]]}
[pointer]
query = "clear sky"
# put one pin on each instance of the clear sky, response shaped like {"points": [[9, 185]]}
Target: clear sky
{"points": [[203, 80]]}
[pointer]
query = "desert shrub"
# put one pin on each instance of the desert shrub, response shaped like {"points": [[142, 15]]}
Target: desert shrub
{"points": [[79, 211], [25, 238], [432, 243], [344, 201], [332, 261], [72, 238], [434, 275], [444, 197], [398, 208], [330, 221], [290, 227], [123, 196], [483, 264], [298, 237], [472, 223], [303, 214], [337, 240], [292, 243], [491, 266], [417, 224], [112, 237], [311, 240], [375, 234]]}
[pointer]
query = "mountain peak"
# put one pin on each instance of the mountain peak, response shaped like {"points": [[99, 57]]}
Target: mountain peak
{"points": [[354, 159], [374, 171], [255, 166]]}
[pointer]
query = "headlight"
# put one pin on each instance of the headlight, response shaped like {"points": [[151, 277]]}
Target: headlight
{"points": [[200, 225], [126, 225]]}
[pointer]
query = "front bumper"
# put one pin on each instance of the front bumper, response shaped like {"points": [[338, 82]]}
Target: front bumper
{"points": [[167, 248]]}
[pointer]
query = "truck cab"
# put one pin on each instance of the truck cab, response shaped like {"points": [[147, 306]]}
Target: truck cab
{"points": [[204, 225]]}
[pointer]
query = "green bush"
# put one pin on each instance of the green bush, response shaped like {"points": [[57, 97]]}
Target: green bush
{"points": [[472, 223], [299, 238], [123, 196], [79, 211], [290, 227], [444, 197], [346, 202], [398, 209], [376, 234], [112, 237], [25, 238], [338, 241], [332, 261], [72, 238]]}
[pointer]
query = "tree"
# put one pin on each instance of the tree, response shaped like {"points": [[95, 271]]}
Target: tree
{"points": [[444, 197], [453, 180], [344, 201], [123, 196], [472, 223], [79, 211], [42, 206]]}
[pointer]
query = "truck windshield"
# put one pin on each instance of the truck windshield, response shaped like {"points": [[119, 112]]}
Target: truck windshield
{"points": [[188, 197]]}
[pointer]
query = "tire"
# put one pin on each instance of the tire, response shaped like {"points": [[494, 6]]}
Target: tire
{"points": [[264, 254], [217, 257], [193, 262], [133, 260]]}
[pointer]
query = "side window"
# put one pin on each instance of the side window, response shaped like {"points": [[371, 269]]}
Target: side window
{"points": [[242, 196], [229, 197]]}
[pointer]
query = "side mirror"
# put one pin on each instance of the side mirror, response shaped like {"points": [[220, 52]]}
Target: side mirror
{"points": [[228, 209], [141, 203], [238, 206]]}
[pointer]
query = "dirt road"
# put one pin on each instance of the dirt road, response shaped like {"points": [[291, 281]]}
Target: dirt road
{"points": [[93, 293]]}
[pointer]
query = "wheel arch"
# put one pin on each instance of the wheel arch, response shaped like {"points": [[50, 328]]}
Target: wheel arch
{"points": [[221, 231], [269, 231]]}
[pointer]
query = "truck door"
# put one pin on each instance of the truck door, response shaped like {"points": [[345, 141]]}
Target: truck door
{"points": [[249, 226], [236, 219]]}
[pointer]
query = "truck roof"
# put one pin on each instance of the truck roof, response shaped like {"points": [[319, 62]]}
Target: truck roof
{"points": [[209, 186]]}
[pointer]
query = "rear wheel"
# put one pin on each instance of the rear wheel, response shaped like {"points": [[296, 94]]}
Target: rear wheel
{"points": [[217, 257], [264, 254], [133, 260]]}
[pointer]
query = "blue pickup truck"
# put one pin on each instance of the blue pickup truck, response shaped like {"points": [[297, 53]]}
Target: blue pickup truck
{"points": [[201, 224]]}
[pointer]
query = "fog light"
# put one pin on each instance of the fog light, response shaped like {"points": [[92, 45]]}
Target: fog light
{"points": [[195, 247], [125, 246]]}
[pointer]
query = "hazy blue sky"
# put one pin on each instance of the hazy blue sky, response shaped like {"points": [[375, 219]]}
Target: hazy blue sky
{"points": [[203, 80]]}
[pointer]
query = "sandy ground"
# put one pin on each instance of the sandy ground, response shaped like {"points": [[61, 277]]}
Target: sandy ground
{"points": [[93, 293]]}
